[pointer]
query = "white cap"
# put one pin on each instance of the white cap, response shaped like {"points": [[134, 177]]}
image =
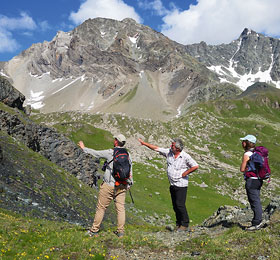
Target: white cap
{"points": [[121, 138], [250, 138]]}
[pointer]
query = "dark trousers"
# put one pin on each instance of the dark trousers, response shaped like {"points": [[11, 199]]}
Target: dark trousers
{"points": [[178, 196], [253, 189]]}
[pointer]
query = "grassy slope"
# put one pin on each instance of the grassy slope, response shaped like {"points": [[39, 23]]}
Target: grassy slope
{"points": [[27, 238]]}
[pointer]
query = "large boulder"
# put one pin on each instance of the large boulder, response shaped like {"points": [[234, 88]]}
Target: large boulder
{"points": [[228, 216]]}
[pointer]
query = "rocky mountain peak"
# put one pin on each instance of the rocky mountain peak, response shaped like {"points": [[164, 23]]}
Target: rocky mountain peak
{"points": [[129, 21], [109, 66], [247, 32], [104, 65], [251, 58]]}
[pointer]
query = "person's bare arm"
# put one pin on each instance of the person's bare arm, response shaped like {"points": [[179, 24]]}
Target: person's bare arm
{"points": [[192, 169], [151, 146], [243, 165]]}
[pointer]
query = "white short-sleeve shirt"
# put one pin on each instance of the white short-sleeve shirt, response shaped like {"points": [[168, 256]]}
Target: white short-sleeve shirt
{"points": [[177, 166]]}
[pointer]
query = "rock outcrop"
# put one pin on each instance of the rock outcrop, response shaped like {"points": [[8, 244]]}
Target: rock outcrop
{"points": [[228, 216], [50, 144], [47, 141], [9, 95], [31, 186]]}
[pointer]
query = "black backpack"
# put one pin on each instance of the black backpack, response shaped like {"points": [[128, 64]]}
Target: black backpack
{"points": [[121, 166]]}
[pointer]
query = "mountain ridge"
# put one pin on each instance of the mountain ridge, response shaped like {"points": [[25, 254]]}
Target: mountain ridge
{"points": [[94, 66], [243, 61]]}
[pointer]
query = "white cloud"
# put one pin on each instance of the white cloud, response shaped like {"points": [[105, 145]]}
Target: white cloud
{"points": [[22, 22], [221, 21], [7, 43], [8, 25], [44, 26], [114, 9], [155, 5]]}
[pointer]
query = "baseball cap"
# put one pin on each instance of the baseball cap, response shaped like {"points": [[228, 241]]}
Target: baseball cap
{"points": [[120, 138], [250, 138]]}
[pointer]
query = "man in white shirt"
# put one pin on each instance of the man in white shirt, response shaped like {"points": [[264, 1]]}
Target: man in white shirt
{"points": [[179, 166]]}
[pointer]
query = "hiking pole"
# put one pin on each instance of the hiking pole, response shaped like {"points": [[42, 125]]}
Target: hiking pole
{"points": [[131, 196]]}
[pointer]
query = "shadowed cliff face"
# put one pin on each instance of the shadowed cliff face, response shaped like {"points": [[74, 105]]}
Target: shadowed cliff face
{"points": [[52, 145], [9, 95]]}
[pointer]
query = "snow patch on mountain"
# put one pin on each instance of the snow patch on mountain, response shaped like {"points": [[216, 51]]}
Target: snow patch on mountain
{"points": [[3, 74], [35, 99], [133, 39], [246, 80]]}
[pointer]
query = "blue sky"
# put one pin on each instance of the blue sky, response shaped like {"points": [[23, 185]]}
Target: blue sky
{"points": [[24, 22]]}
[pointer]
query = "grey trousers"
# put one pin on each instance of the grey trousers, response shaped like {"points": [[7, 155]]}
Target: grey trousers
{"points": [[253, 189]]}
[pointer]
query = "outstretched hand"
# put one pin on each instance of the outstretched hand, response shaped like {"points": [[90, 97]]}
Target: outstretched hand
{"points": [[141, 141], [81, 144]]}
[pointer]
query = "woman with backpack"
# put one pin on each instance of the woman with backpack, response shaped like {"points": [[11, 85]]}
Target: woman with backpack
{"points": [[253, 184]]}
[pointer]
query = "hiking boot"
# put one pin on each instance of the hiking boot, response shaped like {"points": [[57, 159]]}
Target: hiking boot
{"points": [[182, 229], [256, 227], [176, 228], [92, 234], [171, 228]]}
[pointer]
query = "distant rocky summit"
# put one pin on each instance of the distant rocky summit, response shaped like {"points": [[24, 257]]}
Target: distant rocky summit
{"points": [[104, 65], [251, 58]]}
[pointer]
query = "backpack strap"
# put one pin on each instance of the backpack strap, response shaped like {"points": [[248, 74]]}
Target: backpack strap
{"points": [[111, 161], [113, 156]]}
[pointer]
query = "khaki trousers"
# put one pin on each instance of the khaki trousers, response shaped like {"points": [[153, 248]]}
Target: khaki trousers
{"points": [[108, 193]]}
